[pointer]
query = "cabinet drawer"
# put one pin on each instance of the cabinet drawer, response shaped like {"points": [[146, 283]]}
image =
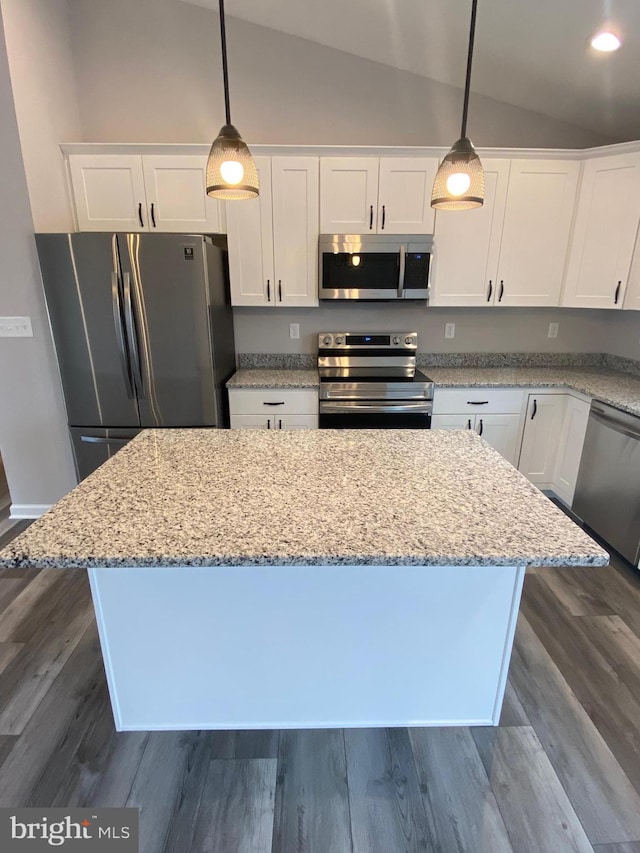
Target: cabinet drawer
{"points": [[273, 401], [273, 421], [477, 400]]}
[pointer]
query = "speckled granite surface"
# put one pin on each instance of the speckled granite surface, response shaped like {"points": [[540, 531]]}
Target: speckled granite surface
{"points": [[618, 389], [316, 497], [274, 378], [269, 360]]}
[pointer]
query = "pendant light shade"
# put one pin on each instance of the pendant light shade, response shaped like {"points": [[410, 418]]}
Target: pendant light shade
{"points": [[459, 182], [231, 170]]}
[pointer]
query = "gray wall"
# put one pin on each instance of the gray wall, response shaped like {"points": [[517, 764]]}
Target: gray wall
{"points": [[149, 71], [477, 330], [33, 436]]}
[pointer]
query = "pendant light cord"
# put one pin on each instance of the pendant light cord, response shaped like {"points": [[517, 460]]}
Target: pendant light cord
{"points": [[467, 85], [225, 70]]}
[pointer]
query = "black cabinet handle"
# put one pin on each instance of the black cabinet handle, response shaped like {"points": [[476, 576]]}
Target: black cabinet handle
{"points": [[535, 409], [279, 423], [140, 215], [501, 291], [268, 423], [615, 301], [481, 427], [153, 216], [490, 291], [384, 216], [279, 290], [268, 291], [477, 402], [273, 404], [469, 424], [371, 218]]}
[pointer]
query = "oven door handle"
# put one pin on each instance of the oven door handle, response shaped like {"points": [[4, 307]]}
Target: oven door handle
{"points": [[376, 406]]}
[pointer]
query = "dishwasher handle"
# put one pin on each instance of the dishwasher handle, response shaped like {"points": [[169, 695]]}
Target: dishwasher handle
{"points": [[597, 415]]}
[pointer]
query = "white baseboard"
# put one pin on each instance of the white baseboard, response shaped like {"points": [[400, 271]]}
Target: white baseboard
{"points": [[29, 510]]}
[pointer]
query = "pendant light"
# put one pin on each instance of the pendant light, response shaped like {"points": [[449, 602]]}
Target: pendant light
{"points": [[231, 171], [459, 183]]}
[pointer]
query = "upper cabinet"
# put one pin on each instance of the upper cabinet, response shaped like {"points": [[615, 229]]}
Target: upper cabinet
{"points": [[273, 240], [605, 231], [512, 251], [122, 192], [364, 195]]}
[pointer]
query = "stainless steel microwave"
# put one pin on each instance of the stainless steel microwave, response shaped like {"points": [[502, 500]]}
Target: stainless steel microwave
{"points": [[374, 266]]}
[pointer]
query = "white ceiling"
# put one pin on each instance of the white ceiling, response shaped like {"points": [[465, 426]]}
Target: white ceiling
{"points": [[530, 53]]}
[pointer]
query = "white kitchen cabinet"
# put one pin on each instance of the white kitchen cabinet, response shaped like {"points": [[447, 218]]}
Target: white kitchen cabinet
{"points": [[273, 408], [132, 192], [362, 195], [494, 413], [273, 240], [604, 235], [467, 245], [512, 251], [574, 428], [632, 293], [541, 438], [500, 431]]}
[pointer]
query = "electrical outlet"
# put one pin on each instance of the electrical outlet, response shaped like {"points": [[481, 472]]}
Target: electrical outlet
{"points": [[450, 330], [294, 331], [15, 327], [553, 330]]}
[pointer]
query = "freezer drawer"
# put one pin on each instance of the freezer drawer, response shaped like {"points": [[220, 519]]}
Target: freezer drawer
{"points": [[92, 447], [607, 495]]}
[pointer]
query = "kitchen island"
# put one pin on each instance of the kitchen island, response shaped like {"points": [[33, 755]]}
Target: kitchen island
{"points": [[257, 579]]}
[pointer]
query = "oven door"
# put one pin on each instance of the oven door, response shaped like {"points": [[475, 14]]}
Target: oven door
{"points": [[375, 414]]}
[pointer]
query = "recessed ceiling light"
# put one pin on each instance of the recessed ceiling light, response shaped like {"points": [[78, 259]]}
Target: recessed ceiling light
{"points": [[605, 41]]}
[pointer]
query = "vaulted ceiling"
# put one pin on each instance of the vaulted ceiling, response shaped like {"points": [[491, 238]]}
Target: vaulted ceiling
{"points": [[529, 53]]}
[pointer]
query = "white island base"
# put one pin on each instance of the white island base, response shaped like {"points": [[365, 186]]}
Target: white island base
{"points": [[254, 647]]}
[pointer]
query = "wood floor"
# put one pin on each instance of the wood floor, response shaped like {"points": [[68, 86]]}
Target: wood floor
{"points": [[561, 773]]}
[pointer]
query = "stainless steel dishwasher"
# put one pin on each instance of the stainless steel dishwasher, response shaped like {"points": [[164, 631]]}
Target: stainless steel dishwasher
{"points": [[607, 494]]}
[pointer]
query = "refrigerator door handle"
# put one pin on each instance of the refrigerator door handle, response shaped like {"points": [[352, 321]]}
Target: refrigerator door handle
{"points": [[132, 333], [117, 322], [94, 439]]}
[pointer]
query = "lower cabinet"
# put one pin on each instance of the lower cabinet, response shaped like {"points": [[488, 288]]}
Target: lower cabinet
{"points": [[500, 431], [552, 441], [273, 408], [494, 413]]}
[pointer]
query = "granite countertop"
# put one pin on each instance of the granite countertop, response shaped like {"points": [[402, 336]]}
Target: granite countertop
{"points": [[618, 389], [274, 378], [304, 497]]}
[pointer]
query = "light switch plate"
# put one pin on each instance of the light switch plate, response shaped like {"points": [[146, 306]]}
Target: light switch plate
{"points": [[15, 327], [553, 330], [449, 330]]}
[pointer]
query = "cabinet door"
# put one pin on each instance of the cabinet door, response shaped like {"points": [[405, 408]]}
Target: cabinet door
{"points": [[296, 421], [605, 232], [501, 432], [404, 195], [295, 230], [250, 243], [175, 185], [109, 193], [348, 195], [540, 439], [535, 237], [467, 245], [632, 293], [574, 427], [452, 421], [253, 422]]}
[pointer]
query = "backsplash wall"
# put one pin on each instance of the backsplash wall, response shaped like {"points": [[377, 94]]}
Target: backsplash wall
{"points": [[266, 330]]}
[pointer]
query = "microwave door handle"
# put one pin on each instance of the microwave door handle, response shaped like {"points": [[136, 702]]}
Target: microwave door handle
{"points": [[403, 259]]}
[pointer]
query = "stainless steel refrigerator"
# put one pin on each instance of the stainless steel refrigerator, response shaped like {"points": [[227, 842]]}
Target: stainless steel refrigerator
{"points": [[143, 332]]}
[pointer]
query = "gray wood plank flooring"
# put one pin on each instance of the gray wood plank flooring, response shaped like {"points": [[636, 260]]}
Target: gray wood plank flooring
{"points": [[561, 773]]}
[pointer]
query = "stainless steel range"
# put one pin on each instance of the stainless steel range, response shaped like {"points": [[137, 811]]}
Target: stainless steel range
{"points": [[371, 381]]}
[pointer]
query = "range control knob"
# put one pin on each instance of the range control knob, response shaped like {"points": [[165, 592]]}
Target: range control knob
{"points": [[339, 339], [395, 340], [408, 340], [326, 340]]}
